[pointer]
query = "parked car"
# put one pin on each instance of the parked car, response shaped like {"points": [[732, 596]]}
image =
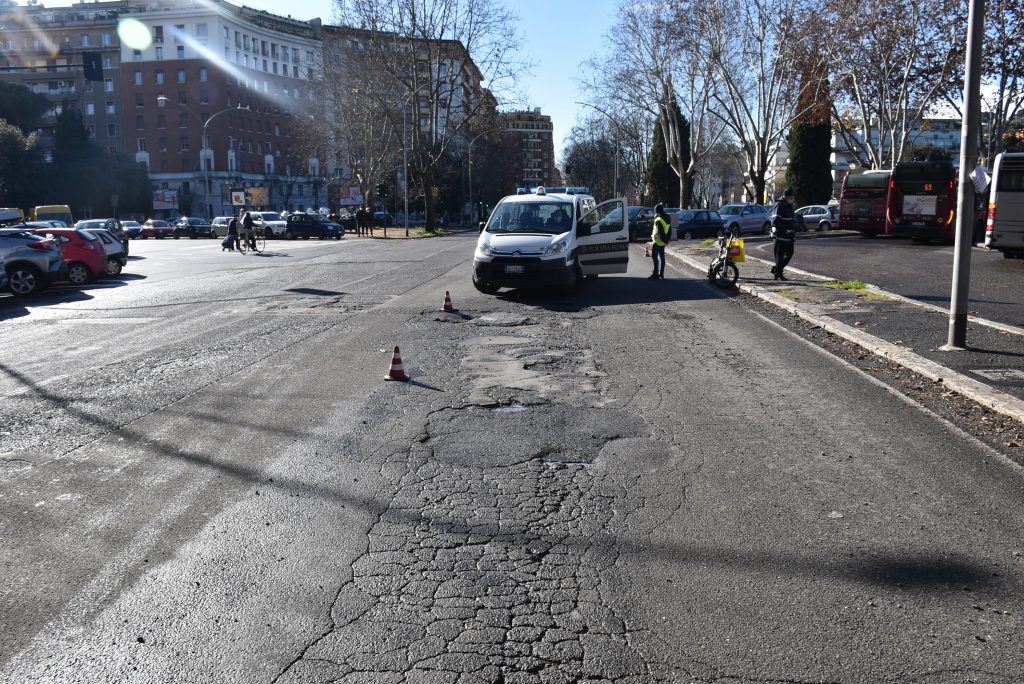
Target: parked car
{"points": [[155, 228], [114, 226], [117, 258], [303, 225], [382, 218], [331, 228], [193, 227], [269, 219], [746, 218], [799, 223], [699, 223], [640, 223], [30, 262], [220, 225], [132, 229], [817, 216], [83, 253]]}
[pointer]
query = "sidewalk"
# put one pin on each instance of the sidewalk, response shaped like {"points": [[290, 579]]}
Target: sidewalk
{"points": [[990, 371]]}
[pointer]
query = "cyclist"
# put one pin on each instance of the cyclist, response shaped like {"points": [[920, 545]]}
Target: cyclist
{"points": [[248, 230]]}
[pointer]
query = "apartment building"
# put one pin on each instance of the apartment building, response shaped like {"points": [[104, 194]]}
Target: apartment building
{"points": [[535, 156], [242, 75]]}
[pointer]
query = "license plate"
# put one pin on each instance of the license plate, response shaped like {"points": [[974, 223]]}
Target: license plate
{"points": [[917, 223], [515, 268]]}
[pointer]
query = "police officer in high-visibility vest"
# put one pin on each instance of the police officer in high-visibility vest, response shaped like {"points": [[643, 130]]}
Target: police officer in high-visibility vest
{"points": [[660, 232]]}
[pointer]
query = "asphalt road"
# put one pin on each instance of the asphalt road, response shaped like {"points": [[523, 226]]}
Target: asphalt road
{"points": [[920, 271], [203, 477]]}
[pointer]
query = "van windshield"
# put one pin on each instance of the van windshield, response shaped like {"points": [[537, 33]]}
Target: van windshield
{"points": [[549, 218]]}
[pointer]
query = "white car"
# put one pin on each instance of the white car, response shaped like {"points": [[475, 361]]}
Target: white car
{"points": [[550, 239], [116, 257], [269, 219]]}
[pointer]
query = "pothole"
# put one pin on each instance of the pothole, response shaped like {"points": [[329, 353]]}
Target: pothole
{"points": [[505, 320], [511, 408]]}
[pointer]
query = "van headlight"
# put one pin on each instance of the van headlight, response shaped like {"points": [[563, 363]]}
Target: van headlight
{"points": [[557, 248], [485, 249]]}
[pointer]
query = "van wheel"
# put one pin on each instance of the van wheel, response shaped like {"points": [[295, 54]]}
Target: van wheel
{"points": [[574, 280], [26, 280], [79, 274], [486, 288]]}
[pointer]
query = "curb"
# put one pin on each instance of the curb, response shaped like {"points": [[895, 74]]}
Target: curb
{"points": [[985, 395]]}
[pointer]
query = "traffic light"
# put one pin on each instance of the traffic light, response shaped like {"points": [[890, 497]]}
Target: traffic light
{"points": [[382, 190], [92, 64]]}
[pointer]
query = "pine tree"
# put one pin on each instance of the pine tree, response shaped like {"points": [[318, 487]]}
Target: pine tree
{"points": [[662, 181], [809, 173]]}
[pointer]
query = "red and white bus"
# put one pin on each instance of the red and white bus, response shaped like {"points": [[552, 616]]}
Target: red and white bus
{"points": [[922, 201], [862, 202]]}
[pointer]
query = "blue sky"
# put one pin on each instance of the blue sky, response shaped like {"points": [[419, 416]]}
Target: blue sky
{"points": [[559, 37]]}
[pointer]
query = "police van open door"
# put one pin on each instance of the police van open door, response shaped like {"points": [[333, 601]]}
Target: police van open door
{"points": [[602, 238]]}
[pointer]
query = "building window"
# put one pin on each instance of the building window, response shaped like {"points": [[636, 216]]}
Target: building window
{"points": [[162, 145], [275, 67], [158, 34], [111, 130], [263, 48], [181, 75], [181, 97], [204, 97], [181, 52], [161, 101], [227, 33], [161, 121], [163, 166], [264, 66], [108, 63], [140, 144], [105, 39], [179, 32], [183, 143], [204, 74], [201, 30], [108, 85], [284, 53], [182, 121], [85, 40], [295, 72], [90, 109], [136, 55], [159, 54], [159, 76], [295, 55], [245, 43], [238, 39], [91, 130], [138, 78], [110, 107], [140, 123], [273, 50]]}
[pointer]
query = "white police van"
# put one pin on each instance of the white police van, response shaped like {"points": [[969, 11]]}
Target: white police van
{"points": [[1005, 225], [550, 236]]}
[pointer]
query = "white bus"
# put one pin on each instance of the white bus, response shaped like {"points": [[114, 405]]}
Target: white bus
{"points": [[1005, 227]]}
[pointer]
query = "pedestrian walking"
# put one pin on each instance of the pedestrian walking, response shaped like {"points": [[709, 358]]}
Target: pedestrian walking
{"points": [[784, 233], [661, 230], [231, 241], [360, 220]]}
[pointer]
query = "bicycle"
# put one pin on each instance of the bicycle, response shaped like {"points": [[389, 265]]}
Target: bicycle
{"points": [[242, 243], [260, 238], [723, 271]]}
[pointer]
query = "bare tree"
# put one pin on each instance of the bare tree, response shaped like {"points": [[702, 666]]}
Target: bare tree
{"points": [[892, 61], [748, 47], [429, 59]]}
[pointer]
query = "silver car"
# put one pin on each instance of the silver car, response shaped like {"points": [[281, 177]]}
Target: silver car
{"points": [[817, 217], [117, 259], [29, 261], [746, 218]]}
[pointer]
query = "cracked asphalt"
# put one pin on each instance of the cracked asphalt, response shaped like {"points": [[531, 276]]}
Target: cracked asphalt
{"points": [[204, 478]]}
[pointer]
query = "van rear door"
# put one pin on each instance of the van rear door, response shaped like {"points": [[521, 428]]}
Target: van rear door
{"points": [[1005, 230], [602, 238]]}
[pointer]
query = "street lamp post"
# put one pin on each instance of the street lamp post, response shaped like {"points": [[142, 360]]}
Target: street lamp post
{"points": [[472, 204], [203, 146], [405, 157], [615, 181]]}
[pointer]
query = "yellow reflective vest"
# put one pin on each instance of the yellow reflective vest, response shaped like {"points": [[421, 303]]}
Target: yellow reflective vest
{"points": [[661, 227]]}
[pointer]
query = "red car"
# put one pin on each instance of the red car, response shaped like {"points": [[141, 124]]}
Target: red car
{"points": [[155, 228], [83, 253]]}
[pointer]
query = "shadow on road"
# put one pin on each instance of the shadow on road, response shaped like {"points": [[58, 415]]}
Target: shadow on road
{"points": [[618, 291]]}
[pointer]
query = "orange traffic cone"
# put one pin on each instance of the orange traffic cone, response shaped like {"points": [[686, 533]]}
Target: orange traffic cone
{"points": [[396, 372], [448, 302]]}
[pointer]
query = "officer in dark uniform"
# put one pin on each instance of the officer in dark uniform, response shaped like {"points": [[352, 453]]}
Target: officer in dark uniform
{"points": [[785, 233]]}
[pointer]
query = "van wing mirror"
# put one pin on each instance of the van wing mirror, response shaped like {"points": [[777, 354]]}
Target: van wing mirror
{"points": [[583, 229]]}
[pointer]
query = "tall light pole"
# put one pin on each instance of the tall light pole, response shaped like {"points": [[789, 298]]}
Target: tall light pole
{"points": [[472, 204], [203, 146], [405, 157], [615, 182]]}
